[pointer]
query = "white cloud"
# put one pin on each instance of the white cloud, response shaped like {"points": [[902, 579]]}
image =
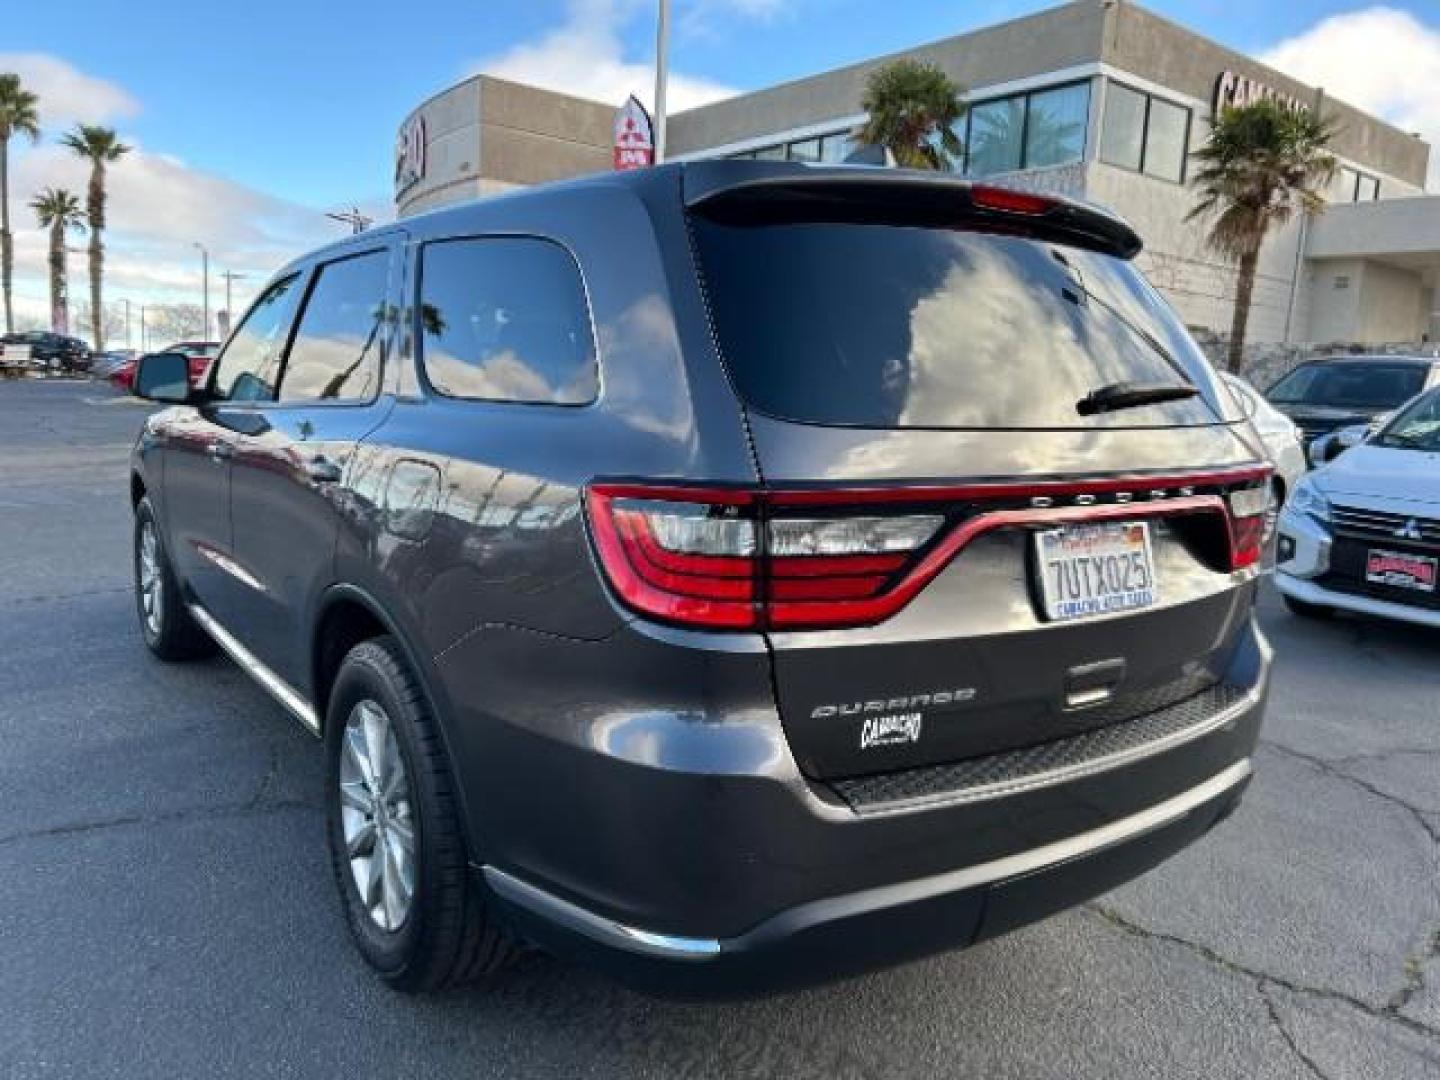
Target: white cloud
{"points": [[585, 56], [66, 94], [1379, 59]]}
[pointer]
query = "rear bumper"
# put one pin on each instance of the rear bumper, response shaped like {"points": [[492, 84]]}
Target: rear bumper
{"points": [[878, 927], [642, 812]]}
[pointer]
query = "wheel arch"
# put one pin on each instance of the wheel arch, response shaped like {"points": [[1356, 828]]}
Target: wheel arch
{"points": [[344, 611]]}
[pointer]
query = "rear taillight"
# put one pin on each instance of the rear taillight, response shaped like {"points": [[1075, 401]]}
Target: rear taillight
{"points": [[736, 559], [726, 559], [1250, 523]]}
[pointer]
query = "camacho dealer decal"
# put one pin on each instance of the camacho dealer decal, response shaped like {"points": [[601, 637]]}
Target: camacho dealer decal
{"points": [[893, 721]]}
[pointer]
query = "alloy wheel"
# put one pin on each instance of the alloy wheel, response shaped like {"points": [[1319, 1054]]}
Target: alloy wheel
{"points": [[376, 815], [152, 581]]}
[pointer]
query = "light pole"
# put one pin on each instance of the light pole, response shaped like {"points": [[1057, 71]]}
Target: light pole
{"points": [[205, 270], [662, 32], [230, 277], [127, 322]]}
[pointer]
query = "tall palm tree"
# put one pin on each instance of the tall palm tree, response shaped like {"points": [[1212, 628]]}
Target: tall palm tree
{"points": [[101, 147], [1261, 164], [59, 211], [913, 109], [18, 116]]}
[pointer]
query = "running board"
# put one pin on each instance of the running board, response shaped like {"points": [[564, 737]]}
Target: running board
{"points": [[295, 704]]}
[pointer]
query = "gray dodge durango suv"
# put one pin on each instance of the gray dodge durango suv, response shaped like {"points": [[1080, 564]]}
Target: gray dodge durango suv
{"points": [[734, 574]]}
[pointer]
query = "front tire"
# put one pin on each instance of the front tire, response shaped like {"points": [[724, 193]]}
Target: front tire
{"points": [[165, 623], [396, 843]]}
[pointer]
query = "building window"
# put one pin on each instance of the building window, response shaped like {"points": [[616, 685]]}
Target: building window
{"points": [[1351, 185], [1145, 134], [805, 150], [1027, 131], [1055, 126], [836, 147]]}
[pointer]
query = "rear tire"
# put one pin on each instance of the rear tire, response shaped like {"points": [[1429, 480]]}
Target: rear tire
{"points": [[438, 934], [1307, 610], [165, 621]]}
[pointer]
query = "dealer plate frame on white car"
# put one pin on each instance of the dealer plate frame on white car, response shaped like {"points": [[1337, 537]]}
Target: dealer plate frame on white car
{"points": [[1401, 570], [1095, 568]]}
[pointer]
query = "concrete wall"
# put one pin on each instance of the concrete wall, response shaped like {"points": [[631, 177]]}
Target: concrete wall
{"points": [[488, 135], [1155, 48], [1052, 40]]}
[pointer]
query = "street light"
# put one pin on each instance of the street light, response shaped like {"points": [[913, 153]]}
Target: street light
{"points": [[661, 63], [205, 270]]}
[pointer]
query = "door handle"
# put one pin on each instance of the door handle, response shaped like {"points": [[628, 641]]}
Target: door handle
{"points": [[220, 451], [322, 470]]}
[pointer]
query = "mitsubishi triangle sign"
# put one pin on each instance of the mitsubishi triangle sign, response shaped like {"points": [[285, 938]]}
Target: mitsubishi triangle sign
{"points": [[634, 136]]}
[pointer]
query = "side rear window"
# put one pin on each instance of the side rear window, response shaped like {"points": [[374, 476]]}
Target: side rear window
{"points": [[506, 319], [894, 326], [249, 368], [336, 352]]}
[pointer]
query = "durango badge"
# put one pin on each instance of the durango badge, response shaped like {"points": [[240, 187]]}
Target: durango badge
{"points": [[893, 730]]}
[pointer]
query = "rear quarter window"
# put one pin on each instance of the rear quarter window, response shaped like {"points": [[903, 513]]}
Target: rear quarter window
{"points": [[506, 319], [890, 326]]}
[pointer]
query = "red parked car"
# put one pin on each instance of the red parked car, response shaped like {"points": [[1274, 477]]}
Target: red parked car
{"points": [[199, 354]]}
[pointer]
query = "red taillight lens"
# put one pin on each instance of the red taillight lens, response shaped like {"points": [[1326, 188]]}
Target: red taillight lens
{"points": [[712, 559], [1010, 201], [1250, 521], [726, 559]]}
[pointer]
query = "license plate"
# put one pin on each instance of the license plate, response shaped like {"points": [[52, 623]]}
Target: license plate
{"points": [[1095, 569], [1400, 571]]}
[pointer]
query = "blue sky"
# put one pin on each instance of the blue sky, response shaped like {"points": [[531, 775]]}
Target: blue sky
{"points": [[274, 110]]}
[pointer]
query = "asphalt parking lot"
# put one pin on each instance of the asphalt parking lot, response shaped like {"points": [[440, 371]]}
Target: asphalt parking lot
{"points": [[166, 908]]}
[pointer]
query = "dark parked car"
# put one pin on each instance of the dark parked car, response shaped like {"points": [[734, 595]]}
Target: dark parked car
{"points": [[54, 352], [1325, 395], [734, 574]]}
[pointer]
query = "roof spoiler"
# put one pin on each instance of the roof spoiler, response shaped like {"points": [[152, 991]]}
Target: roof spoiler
{"points": [[749, 194]]}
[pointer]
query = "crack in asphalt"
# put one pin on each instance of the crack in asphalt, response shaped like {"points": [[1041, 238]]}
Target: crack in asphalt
{"points": [[121, 821], [1387, 1012], [1263, 986], [1414, 968], [1331, 768], [49, 597]]}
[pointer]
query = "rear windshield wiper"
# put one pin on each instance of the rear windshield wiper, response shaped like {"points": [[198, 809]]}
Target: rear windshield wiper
{"points": [[1128, 395]]}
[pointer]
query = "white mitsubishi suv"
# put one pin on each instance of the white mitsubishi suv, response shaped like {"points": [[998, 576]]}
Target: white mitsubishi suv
{"points": [[1363, 533]]}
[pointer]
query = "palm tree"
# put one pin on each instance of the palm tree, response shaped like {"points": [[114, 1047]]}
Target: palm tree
{"points": [[100, 146], [913, 109], [18, 116], [1261, 164], [59, 211]]}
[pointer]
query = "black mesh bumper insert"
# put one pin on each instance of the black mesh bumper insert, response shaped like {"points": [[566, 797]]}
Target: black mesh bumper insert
{"points": [[1014, 771]]}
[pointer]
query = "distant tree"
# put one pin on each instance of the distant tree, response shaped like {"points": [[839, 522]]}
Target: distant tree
{"points": [[912, 109], [18, 116], [1261, 164], [59, 211], [101, 147]]}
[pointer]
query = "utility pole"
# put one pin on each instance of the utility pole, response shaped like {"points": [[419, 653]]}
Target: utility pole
{"points": [[142, 328], [205, 270], [230, 277], [357, 221], [662, 33]]}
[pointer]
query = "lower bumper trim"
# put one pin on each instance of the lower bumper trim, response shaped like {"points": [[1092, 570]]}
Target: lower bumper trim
{"points": [[1313, 593], [616, 935]]}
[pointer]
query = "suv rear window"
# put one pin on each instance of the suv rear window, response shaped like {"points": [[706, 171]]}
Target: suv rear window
{"points": [[877, 325]]}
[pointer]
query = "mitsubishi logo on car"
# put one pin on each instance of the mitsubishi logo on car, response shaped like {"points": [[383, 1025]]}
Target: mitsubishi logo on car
{"points": [[1410, 531]]}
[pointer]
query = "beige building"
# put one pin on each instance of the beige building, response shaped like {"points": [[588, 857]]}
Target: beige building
{"points": [[1099, 99]]}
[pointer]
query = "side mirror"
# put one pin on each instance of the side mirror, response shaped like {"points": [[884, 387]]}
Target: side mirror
{"points": [[163, 377]]}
